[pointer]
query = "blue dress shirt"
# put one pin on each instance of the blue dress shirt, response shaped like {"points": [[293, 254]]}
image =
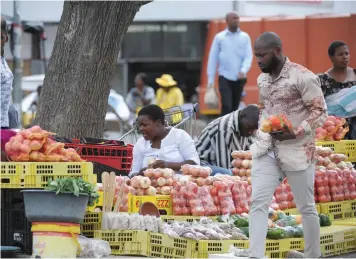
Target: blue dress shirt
{"points": [[233, 52]]}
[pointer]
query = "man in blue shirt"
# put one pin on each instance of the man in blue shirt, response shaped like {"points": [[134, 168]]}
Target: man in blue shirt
{"points": [[232, 50]]}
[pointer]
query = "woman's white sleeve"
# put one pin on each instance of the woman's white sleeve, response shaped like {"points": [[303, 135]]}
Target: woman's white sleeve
{"points": [[137, 159], [187, 147]]}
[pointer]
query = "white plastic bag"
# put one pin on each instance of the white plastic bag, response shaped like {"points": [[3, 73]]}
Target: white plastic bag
{"points": [[342, 103], [93, 248], [211, 98]]}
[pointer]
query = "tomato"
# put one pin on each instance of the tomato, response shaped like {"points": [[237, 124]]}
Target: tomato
{"points": [[276, 122], [290, 196], [321, 190], [347, 195], [339, 180], [239, 210], [281, 197], [351, 187], [332, 181], [283, 205], [177, 210], [353, 195], [322, 198], [351, 179], [319, 181]]}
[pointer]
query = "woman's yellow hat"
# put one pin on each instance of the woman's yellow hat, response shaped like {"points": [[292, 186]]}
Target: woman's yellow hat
{"points": [[166, 80]]}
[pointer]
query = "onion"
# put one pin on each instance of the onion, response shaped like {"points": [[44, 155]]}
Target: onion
{"points": [[161, 181], [245, 164], [165, 190], [16, 146], [151, 191], [145, 182]]}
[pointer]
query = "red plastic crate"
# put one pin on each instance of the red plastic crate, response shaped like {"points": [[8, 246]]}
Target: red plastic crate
{"points": [[115, 156]]}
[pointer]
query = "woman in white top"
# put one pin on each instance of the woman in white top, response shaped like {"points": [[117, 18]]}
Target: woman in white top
{"points": [[161, 146]]}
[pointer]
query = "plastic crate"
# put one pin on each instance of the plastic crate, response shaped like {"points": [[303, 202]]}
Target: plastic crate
{"points": [[163, 246], [337, 210], [163, 203], [37, 174], [353, 208], [115, 156], [15, 228], [91, 222], [336, 240], [346, 222], [295, 211], [98, 204], [167, 218], [274, 248], [134, 242], [346, 147], [125, 242]]}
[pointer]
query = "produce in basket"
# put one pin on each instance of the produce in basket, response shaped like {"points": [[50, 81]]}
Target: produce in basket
{"points": [[281, 195], [162, 179], [332, 129], [240, 197], [275, 123], [321, 186], [224, 197], [196, 171], [241, 163], [35, 145], [179, 200]]}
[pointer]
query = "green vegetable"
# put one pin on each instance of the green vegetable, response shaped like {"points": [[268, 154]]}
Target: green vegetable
{"points": [[75, 186], [298, 231], [281, 215], [245, 230], [241, 222], [324, 220], [287, 221], [276, 233], [289, 232]]}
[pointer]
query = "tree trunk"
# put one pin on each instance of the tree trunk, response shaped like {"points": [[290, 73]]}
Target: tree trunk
{"points": [[76, 88]]}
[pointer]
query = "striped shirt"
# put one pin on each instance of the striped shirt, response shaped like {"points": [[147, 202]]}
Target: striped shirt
{"points": [[219, 139]]}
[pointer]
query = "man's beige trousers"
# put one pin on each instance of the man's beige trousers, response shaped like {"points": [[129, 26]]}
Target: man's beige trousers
{"points": [[265, 177]]}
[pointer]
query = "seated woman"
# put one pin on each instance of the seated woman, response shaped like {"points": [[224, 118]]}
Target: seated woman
{"points": [[338, 78], [161, 146]]}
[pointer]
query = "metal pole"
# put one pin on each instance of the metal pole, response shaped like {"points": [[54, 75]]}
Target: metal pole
{"points": [[235, 5], [18, 66]]}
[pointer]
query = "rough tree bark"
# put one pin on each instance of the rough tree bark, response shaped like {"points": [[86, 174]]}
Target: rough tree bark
{"points": [[74, 95]]}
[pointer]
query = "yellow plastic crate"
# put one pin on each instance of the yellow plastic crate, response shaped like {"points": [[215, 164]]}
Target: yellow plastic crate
{"points": [[125, 242], [295, 211], [91, 222], [336, 240], [143, 243], [337, 210], [163, 246], [346, 147], [37, 175], [353, 208], [274, 248], [167, 218], [163, 203], [346, 222], [98, 204]]}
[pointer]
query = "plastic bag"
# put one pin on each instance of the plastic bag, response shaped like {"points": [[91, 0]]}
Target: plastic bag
{"points": [[339, 104], [93, 248], [240, 197], [226, 203], [211, 98], [179, 200]]}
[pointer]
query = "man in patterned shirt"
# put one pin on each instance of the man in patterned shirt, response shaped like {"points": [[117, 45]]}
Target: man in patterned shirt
{"points": [[291, 89]]}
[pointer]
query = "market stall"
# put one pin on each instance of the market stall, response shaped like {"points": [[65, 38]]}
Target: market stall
{"points": [[199, 214]]}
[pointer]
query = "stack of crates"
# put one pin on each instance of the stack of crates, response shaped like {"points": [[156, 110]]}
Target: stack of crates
{"points": [[17, 176]]}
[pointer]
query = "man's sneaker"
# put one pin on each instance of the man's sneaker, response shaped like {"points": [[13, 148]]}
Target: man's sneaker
{"points": [[295, 254]]}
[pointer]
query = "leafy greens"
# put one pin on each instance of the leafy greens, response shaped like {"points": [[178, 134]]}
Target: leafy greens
{"points": [[76, 186]]}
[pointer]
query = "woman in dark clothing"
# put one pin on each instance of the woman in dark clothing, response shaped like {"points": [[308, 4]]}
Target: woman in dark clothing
{"points": [[339, 77]]}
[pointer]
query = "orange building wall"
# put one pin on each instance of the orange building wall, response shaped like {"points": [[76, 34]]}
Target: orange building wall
{"points": [[305, 41]]}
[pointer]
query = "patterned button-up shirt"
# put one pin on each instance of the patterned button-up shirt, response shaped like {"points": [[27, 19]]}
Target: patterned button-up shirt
{"points": [[296, 92], [6, 90]]}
